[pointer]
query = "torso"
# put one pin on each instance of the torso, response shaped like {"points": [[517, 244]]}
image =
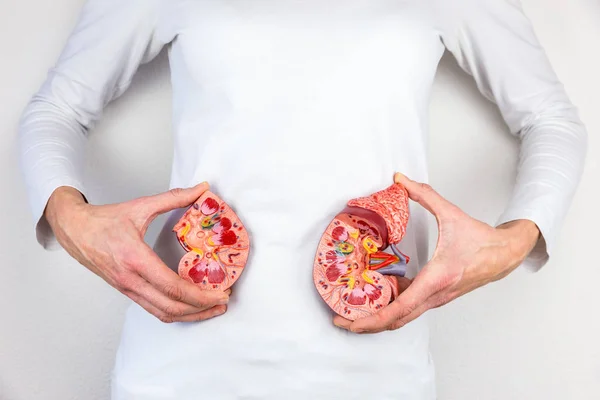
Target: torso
{"points": [[289, 109]]}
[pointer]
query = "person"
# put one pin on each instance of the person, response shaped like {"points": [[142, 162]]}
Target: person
{"points": [[288, 109]]}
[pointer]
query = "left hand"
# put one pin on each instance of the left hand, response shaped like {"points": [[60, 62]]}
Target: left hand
{"points": [[469, 254]]}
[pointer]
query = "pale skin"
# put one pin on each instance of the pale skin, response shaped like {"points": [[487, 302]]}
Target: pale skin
{"points": [[108, 240]]}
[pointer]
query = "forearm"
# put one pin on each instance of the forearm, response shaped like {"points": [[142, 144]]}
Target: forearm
{"points": [[51, 150], [551, 161]]}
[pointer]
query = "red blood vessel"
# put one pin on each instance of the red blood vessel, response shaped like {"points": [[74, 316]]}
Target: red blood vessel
{"points": [[352, 272], [216, 242]]}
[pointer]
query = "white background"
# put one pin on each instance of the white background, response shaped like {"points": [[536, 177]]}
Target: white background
{"points": [[530, 336]]}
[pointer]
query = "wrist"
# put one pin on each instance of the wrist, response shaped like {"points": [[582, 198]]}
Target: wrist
{"points": [[62, 202], [522, 236]]}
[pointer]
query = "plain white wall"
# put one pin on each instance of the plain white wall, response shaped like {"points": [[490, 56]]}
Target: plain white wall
{"points": [[530, 336]]}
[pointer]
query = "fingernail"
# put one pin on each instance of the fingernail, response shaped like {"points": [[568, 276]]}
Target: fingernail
{"points": [[219, 311], [224, 300], [398, 176]]}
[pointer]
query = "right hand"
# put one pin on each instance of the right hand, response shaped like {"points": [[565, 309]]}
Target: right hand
{"points": [[109, 241]]}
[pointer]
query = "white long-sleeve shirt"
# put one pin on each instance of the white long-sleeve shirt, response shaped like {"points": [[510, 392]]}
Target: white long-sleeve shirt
{"points": [[289, 108]]}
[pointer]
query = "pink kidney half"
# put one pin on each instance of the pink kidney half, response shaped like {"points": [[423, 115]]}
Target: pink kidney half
{"points": [[352, 272], [216, 242]]}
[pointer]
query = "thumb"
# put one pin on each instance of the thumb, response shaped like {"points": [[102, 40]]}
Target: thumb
{"points": [[423, 194], [174, 198]]}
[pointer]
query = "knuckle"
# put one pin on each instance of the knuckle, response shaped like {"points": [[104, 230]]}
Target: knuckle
{"points": [[176, 192], [395, 325], [409, 309], [382, 319], [425, 187], [129, 260], [141, 209], [202, 305], [173, 311], [441, 300], [174, 292], [438, 303], [198, 317], [123, 282]]}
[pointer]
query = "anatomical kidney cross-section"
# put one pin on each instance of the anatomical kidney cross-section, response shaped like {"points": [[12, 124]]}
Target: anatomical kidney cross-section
{"points": [[351, 271], [216, 242]]}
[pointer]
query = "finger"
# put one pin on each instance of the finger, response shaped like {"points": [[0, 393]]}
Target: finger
{"points": [[410, 317], [423, 194], [198, 316], [145, 304], [158, 299], [433, 302], [204, 315], [342, 322], [174, 198], [174, 287], [417, 293]]}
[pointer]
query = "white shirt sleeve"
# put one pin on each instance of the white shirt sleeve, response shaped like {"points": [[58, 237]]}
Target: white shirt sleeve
{"points": [[494, 41], [111, 39]]}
